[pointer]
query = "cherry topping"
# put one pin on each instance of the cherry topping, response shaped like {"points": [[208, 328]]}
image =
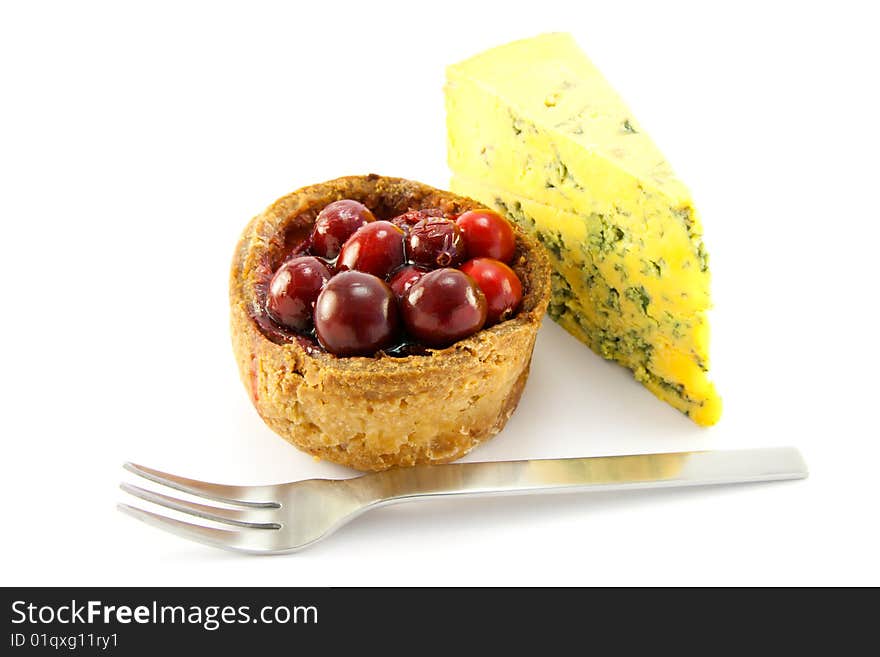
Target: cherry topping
{"points": [[436, 242], [442, 307], [499, 283], [488, 235], [356, 315], [375, 248], [293, 291], [335, 224], [404, 278]]}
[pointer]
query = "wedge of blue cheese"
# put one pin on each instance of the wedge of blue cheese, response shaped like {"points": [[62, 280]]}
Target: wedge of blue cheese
{"points": [[537, 133]]}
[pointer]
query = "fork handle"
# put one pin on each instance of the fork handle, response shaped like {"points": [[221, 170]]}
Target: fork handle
{"points": [[575, 474]]}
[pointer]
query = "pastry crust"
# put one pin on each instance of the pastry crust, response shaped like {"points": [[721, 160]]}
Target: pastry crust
{"points": [[378, 412]]}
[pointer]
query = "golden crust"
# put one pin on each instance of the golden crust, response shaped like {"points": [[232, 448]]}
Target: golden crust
{"points": [[379, 412]]}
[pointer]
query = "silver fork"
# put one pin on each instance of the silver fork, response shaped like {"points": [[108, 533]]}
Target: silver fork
{"points": [[287, 517]]}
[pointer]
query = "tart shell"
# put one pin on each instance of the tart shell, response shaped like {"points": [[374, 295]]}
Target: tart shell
{"points": [[383, 411]]}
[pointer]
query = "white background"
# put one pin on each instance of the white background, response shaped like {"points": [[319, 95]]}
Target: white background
{"points": [[135, 143]]}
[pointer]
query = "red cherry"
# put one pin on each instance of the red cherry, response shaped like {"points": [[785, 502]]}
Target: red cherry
{"points": [[409, 219], [293, 290], [488, 235], [375, 248], [335, 224], [436, 242], [356, 315], [499, 283], [443, 306], [404, 278]]}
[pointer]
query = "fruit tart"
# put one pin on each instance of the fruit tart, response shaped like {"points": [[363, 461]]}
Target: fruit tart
{"points": [[379, 322]]}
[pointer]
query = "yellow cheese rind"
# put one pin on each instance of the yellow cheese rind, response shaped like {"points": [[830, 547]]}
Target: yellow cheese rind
{"points": [[536, 133]]}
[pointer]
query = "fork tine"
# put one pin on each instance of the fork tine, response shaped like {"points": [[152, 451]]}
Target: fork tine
{"points": [[237, 517], [251, 496], [229, 539]]}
